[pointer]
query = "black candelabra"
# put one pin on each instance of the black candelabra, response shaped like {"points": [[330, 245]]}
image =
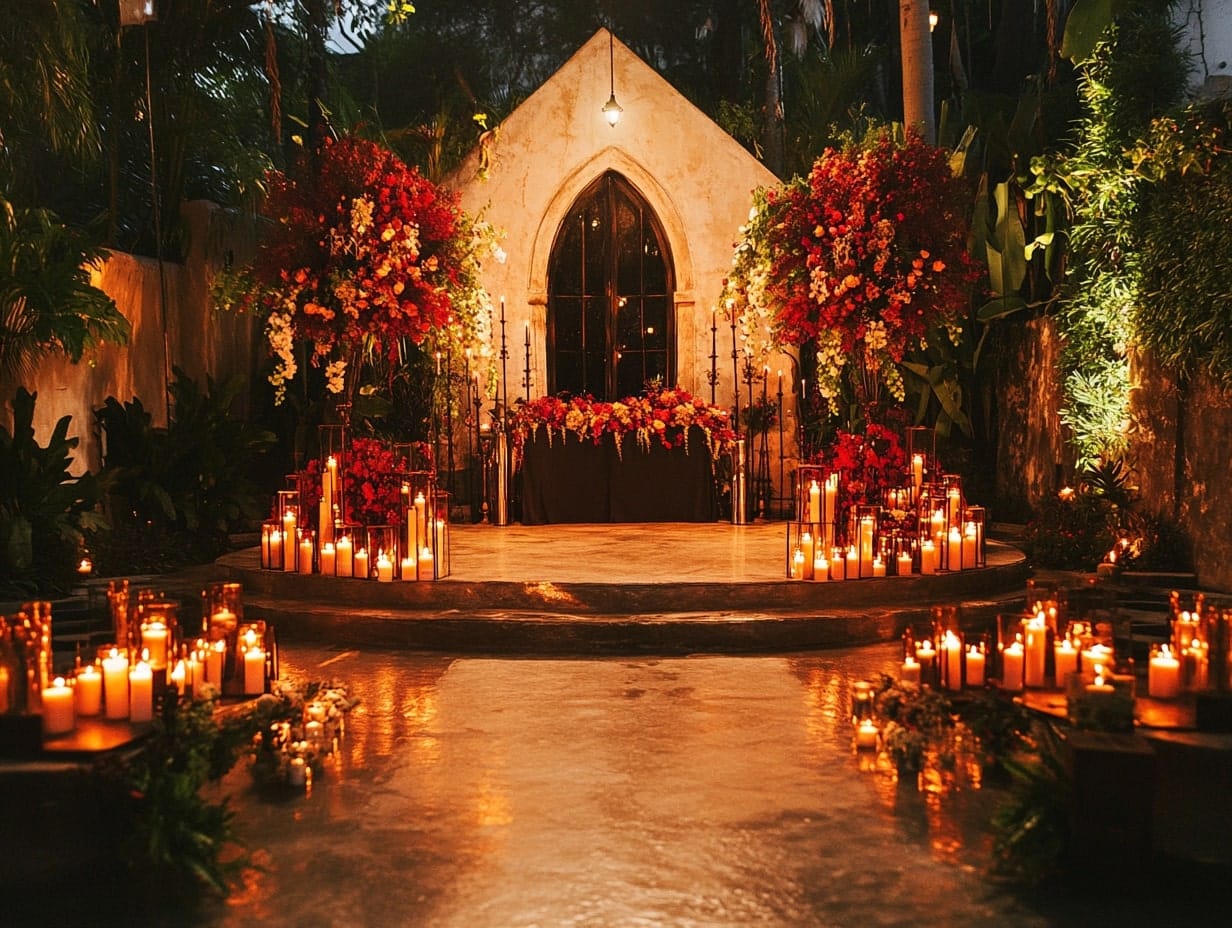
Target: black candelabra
{"points": [[735, 356], [761, 481], [504, 358], [712, 375], [526, 369], [781, 499]]}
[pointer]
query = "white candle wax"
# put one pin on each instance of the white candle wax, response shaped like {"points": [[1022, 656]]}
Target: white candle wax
{"points": [[1011, 663], [154, 640], [969, 546], [275, 547], [345, 565], [215, 661], [254, 671], [821, 569], [305, 555], [866, 735], [904, 564], [917, 470], [384, 568], [975, 666], [58, 708], [910, 672], [928, 557], [115, 684], [879, 569], [814, 505], [852, 569], [89, 690], [1065, 658], [408, 568], [1036, 646], [288, 542], [953, 554], [442, 544], [951, 646], [808, 555], [838, 565], [427, 566], [329, 559], [179, 676], [360, 568], [1164, 675], [141, 693]]}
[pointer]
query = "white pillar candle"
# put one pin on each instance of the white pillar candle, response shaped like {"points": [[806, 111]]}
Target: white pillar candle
{"points": [[904, 564], [196, 669], [975, 666], [821, 569], [838, 565], [1035, 647], [215, 661], [910, 672], [141, 693], [288, 542], [852, 570], [814, 504], [427, 567], [1164, 675], [866, 735], [4, 690], [384, 568], [807, 555], [879, 566], [1011, 667], [1097, 655], [360, 568], [89, 690], [442, 544], [297, 772], [928, 557], [927, 656], [1065, 658], [917, 471], [868, 527], [969, 545], [325, 522], [179, 676], [275, 547], [953, 499], [951, 647], [58, 708], [953, 554], [154, 640], [305, 554], [254, 671], [115, 684], [329, 559], [421, 519], [345, 566]]}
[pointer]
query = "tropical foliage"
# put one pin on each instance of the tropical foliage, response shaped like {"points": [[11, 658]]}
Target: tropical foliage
{"points": [[44, 509]]}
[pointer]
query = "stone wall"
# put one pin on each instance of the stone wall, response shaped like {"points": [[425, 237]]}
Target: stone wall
{"points": [[1180, 449], [197, 338], [1032, 459]]}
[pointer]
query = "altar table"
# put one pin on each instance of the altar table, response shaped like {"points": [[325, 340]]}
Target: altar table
{"points": [[571, 480]]}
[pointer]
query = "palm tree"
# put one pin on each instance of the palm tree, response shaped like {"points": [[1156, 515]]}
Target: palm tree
{"points": [[917, 46]]}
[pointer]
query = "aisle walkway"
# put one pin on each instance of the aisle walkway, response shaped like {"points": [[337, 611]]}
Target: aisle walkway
{"points": [[705, 791]]}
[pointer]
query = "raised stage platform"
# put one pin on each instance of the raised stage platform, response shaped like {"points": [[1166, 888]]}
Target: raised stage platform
{"points": [[666, 588]]}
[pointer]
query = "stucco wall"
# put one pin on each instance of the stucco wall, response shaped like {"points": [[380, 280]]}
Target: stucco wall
{"points": [[1207, 31], [697, 179], [198, 339]]}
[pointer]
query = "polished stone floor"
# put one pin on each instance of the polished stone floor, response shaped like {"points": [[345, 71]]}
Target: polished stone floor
{"points": [[698, 791]]}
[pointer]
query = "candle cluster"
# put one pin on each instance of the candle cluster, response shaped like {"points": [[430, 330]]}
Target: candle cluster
{"points": [[922, 528], [942, 656], [413, 547]]}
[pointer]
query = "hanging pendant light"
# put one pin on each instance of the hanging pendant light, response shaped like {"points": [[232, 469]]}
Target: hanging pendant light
{"points": [[611, 109]]}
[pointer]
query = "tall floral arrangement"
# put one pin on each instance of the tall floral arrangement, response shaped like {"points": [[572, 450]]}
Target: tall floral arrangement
{"points": [[364, 254], [864, 260]]}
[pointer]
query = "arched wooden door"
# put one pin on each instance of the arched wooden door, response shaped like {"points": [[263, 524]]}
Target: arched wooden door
{"points": [[610, 325]]}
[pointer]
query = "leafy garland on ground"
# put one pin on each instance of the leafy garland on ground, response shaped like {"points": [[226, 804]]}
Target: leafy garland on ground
{"points": [[662, 416]]}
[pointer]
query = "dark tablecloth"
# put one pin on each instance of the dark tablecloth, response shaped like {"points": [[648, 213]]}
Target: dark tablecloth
{"points": [[578, 481]]}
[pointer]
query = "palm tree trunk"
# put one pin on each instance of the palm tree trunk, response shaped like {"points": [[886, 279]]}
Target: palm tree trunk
{"points": [[917, 68], [772, 113]]}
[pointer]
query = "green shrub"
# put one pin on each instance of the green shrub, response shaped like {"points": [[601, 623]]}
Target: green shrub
{"points": [[44, 509]]}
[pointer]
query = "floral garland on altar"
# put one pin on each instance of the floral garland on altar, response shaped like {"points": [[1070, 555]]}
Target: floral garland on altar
{"points": [[363, 252], [662, 416]]}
